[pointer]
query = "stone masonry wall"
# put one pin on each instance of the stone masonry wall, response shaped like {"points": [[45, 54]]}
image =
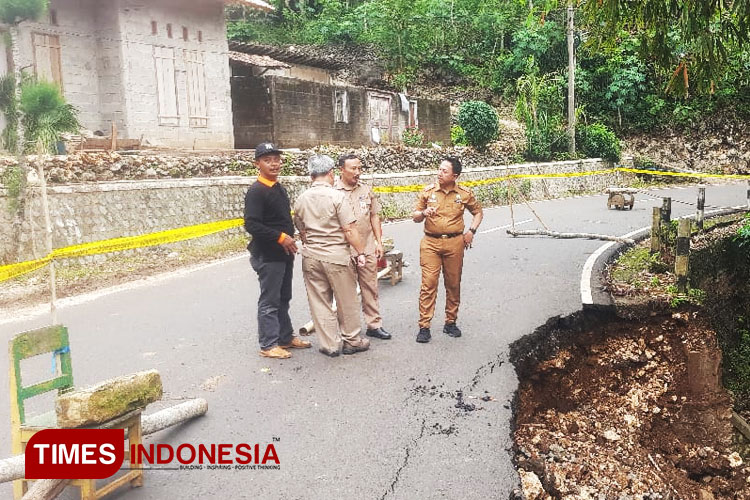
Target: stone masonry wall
{"points": [[96, 211]]}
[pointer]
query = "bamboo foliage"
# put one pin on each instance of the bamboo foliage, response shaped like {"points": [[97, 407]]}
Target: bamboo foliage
{"points": [[695, 36]]}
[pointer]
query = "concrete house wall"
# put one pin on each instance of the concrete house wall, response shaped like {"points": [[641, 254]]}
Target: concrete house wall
{"points": [[296, 113], [78, 32], [108, 68], [139, 73]]}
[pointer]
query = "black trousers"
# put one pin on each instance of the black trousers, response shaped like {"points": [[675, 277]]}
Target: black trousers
{"points": [[275, 279]]}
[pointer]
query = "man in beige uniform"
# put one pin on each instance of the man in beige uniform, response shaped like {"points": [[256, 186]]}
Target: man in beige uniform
{"points": [[441, 206], [366, 207], [327, 227]]}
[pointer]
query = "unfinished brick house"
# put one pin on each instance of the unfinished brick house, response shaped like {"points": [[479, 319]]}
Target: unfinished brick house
{"points": [[293, 98], [157, 69]]}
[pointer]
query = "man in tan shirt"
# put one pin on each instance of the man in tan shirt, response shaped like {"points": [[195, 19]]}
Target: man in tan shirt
{"points": [[326, 224], [365, 206], [441, 206]]}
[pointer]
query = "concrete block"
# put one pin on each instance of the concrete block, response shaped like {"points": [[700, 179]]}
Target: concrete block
{"points": [[108, 399]]}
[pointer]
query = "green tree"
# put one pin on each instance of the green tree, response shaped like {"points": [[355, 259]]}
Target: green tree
{"points": [[399, 29], [693, 39], [15, 11], [479, 122]]}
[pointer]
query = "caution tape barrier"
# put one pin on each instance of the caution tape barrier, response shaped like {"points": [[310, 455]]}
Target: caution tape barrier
{"points": [[494, 180], [185, 233], [119, 244]]}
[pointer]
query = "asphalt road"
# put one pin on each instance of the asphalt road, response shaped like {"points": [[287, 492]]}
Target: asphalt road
{"points": [[387, 423]]}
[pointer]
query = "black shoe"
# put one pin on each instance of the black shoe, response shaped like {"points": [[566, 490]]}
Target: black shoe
{"points": [[451, 330], [424, 335], [330, 354], [378, 333]]}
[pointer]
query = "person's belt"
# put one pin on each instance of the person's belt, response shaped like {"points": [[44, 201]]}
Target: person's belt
{"points": [[446, 235]]}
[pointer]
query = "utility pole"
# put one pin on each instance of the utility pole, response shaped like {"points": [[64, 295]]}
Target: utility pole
{"points": [[48, 239], [571, 83]]}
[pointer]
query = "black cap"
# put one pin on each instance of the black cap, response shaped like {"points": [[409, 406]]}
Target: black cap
{"points": [[265, 148]]}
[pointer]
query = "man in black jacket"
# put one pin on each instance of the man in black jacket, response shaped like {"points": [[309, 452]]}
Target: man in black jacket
{"points": [[272, 248]]}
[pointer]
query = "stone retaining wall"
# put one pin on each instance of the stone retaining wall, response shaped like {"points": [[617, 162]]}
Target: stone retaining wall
{"points": [[95, 211]]}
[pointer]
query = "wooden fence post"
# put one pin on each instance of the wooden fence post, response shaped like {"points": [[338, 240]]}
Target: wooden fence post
{"points": [[666, 226], [656, 231], [666, 209], [701, 206], [682, 255]]}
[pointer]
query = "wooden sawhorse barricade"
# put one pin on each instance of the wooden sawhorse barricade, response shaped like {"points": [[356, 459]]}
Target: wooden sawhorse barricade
{"points": [[395, 267], [621, 197], [54, 340]]}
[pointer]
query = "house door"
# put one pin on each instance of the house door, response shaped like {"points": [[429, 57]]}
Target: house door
{"points": [[47, 65], [380, 117]]}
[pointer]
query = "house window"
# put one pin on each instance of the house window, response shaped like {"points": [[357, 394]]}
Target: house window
{"points": [[53, 17], [413, 121], [341, 106], [166, 87], [47, 57], [184, 33], [154, 28], [200, 36], [196, 84], [169, 31]]}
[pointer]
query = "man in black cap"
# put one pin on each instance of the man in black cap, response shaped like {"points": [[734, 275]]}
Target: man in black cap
{"points": [[272, 248]]}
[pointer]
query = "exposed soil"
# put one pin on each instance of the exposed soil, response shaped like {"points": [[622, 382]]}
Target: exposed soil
{"points": [[615, 415]]}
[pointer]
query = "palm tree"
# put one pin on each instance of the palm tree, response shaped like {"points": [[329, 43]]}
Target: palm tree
{"points": [[13, 13], [45, 116]]}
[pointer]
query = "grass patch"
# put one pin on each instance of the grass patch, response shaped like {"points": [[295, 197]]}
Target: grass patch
{"points": [[637, 265], [79, 276]]}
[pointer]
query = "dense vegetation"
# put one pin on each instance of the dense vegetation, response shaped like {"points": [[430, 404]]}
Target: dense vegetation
{"points": [[640, 64]]}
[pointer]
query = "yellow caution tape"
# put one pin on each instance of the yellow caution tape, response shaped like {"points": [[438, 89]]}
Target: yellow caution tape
{"points": [[493, 180], [184, 233], [12, 270], [683, 174], [119, 244]]}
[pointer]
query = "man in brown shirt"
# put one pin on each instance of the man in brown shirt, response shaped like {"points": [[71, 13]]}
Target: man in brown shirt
{"points": [[365, 206], [326, 225], [441, 206]]}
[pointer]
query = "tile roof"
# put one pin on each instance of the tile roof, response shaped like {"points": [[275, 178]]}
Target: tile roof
{"points": [[256, 4], [255, 60]]}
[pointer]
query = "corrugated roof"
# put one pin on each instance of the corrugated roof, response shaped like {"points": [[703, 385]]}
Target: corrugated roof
{"points": [[256, 60], [256, 4]]}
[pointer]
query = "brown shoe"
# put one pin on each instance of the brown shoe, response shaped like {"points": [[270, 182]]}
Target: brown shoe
{"points": [[276, 352], [360, 346], [296, 343]]}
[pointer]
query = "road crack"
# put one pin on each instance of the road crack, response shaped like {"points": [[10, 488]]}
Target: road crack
{"points": [[414, 442]]}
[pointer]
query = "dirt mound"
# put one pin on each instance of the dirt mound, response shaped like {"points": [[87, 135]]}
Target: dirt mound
{"points": [[616, 415]]}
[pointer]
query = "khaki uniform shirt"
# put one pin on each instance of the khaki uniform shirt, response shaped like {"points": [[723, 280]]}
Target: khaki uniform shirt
{"points": [[450, 206], [320, 213], [364, 204]]}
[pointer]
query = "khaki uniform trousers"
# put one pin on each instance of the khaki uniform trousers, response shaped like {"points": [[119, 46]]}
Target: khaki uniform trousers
{"points": [[324, 282], [368, 286], [436, 254]]}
